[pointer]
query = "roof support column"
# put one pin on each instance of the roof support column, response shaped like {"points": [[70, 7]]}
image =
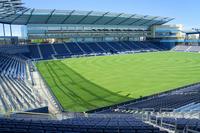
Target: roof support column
{"points": [[62, 34], [4, 34], [11, 34]]}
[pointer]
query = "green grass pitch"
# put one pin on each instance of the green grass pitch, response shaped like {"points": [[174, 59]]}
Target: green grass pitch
{"points": [[82, 84]]}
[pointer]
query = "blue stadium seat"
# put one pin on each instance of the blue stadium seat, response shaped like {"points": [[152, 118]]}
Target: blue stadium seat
{"points": [[85, 48], [74, 48], [61, 49], [95, 48], [118, 124], [34, 53], [47, 51]]}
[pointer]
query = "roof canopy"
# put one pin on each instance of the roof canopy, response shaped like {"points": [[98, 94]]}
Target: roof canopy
{"points": [[12, 12]]}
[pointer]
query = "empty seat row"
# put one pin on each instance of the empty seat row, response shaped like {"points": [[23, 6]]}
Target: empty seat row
{"points": [[14, 49], [186, 48], [181, 48], [79, 125], [158, 103], [12, 66], [16, 95]]}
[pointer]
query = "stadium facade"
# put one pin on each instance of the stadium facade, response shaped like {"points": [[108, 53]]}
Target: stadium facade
{"points": [[71, 25]]}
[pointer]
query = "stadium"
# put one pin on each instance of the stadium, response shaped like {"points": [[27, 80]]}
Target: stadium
{"points": [[97, 72]]}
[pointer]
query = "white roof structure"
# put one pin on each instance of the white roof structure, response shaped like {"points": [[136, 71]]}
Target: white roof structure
{"points": [[13, 12]]}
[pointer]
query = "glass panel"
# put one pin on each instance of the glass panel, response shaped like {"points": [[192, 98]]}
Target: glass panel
{"points": [[112, 14], [97, 13], [61, 12], [80, 12], [41, 12], [126, 15], [138, 16]]}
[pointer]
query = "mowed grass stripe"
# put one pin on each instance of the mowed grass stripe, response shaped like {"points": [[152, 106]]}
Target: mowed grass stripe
{"points": [[74, 92], [81, 84]]}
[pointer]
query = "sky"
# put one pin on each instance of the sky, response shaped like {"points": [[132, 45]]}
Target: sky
{"points": [[185, 12]]}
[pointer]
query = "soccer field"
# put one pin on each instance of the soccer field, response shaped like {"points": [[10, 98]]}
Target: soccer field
{"points": [[82, 84]]}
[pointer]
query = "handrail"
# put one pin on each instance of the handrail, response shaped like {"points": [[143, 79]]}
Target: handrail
{"points": [[188, 130]]}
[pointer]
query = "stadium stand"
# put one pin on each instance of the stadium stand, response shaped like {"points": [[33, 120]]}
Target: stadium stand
{"points": [[194, 49], [169, 101], [85, 48], [184, 99], [192, 107], [133, 46], [61, 51], [116, 124], [34, 52], [186, 48], [94, 47], [12, 66], [74, 49], [22, 86], [16, 93], [14, 49], [180, 48], [190, 125], [48, 51]]}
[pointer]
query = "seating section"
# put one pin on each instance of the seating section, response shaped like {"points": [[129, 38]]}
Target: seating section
{"points": [[107, 48], [14, 49], [183, 100], [191, 107], [34, 52], [194, 49], [86, 48], [15, 93], [74, 49], [178, 124], [186, 48], [168, 101], [181, 48], [89, 48], [12, 66], [78, 125], [117, 47], [61, 50], [47, 51], [95, 48]]}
